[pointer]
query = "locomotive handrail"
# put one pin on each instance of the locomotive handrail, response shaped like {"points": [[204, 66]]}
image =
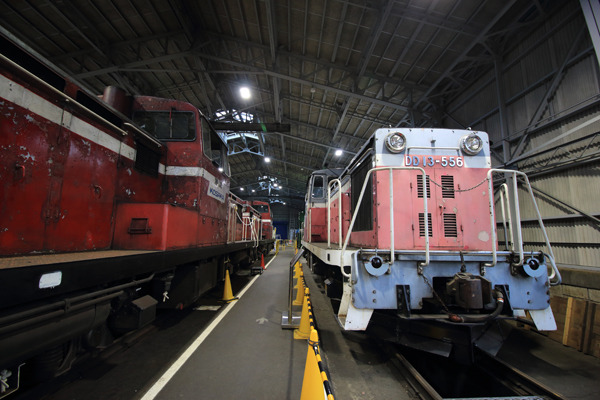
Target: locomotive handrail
{"points": [[71, 100], [391, 185], [503, 201], [143, 133], [555, 272], [329, 186]]}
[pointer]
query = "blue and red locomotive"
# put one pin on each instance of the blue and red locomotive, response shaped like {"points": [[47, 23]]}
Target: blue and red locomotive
{"points": [[409, 229]]}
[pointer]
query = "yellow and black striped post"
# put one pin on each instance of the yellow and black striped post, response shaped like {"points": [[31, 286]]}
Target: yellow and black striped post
{"points": [[315, 383], [303, 332]]}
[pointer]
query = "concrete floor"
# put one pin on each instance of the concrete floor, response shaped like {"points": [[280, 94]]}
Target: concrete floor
{"points": [[247, 355]]}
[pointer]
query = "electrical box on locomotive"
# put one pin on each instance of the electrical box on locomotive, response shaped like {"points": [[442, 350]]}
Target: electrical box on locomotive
{"points": [[409, 228], [112, 206]]}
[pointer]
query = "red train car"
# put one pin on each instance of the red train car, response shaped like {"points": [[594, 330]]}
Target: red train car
{"points": [[111, 206], [408, 229], [266, 228]]}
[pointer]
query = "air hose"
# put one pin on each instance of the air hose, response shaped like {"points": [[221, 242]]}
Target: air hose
{"points": [[482, 317]]}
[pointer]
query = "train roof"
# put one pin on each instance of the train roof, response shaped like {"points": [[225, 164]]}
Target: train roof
{"points": [[330, 172]]}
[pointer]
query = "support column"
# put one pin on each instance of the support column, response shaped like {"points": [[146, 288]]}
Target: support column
{"points": [[591, 12]]}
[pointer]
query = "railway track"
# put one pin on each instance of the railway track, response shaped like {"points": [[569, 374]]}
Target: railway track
{"points": [[502, 381], [525, 386]]}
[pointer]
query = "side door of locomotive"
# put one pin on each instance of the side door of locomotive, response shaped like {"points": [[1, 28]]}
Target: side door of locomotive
{"points": [[214, 188]]}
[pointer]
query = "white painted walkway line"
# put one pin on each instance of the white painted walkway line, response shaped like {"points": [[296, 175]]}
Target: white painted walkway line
{"points": [[166, 377]]}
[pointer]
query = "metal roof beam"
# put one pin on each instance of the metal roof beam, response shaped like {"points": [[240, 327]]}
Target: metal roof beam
{"points": [[320, 63], [251, 126]]}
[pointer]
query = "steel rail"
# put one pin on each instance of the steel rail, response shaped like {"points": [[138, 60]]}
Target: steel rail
{"points": [[524, 385]]}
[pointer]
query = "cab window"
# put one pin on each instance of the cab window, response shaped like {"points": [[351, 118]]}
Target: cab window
{"points": [[317, 187], [214, 147], [167, 125], [262, 208]]}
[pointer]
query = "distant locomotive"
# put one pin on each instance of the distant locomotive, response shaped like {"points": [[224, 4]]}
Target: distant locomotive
{"points": [[266, 228], [111, 206], [409, 229]]}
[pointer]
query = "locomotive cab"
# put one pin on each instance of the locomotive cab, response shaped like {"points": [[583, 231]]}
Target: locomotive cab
{"points": [[316, 204], [194, 185], [266, 228]]}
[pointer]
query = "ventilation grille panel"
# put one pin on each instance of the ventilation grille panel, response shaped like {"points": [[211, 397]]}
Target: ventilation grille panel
{"points": [[447, 186], [422, 224], [450, 228], [420, 187]]}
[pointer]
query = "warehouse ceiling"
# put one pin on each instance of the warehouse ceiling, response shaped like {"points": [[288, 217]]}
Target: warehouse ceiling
{"points": [[322, 75]]}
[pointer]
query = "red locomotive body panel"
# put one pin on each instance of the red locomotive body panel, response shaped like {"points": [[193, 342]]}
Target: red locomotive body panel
{"points": [[317, 218], [264, 209], [70, 181], [460, 220], [57, 183]]}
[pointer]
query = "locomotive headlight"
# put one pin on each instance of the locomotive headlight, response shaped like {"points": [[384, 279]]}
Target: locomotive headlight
{"points": [[471, 144], [395, 142]]}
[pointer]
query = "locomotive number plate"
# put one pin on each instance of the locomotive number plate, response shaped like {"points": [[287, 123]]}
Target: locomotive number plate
{"points": [[432, 161]]}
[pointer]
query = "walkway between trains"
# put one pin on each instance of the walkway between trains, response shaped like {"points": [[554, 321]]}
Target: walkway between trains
{"points": [[247, 355]]}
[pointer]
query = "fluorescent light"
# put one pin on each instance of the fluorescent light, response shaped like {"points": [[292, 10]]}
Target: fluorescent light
{"points": [[245, 93], [338, 152]]}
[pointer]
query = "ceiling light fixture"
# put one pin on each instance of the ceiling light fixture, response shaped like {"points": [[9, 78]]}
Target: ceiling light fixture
{"points": [[267, 159], [338, 152], [245, 93]]}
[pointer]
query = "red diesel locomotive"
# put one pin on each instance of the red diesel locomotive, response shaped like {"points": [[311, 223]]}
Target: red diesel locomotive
{"points": [[409, 230], [111, 206], [266, 228]]}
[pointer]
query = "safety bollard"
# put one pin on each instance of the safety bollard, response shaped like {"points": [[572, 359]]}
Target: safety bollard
{"points": [[297, 269], [315, 383], [227, 292], [303, 332], [299, 294], [300, 282]]}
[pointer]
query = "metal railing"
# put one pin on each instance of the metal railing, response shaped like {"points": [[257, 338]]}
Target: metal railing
{"points": [[555, 277], [288, 319], [329, 187], [392, 238], [507, 229]]}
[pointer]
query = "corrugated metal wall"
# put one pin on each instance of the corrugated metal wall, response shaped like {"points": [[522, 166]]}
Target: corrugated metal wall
{"points": [[568, 176]]}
